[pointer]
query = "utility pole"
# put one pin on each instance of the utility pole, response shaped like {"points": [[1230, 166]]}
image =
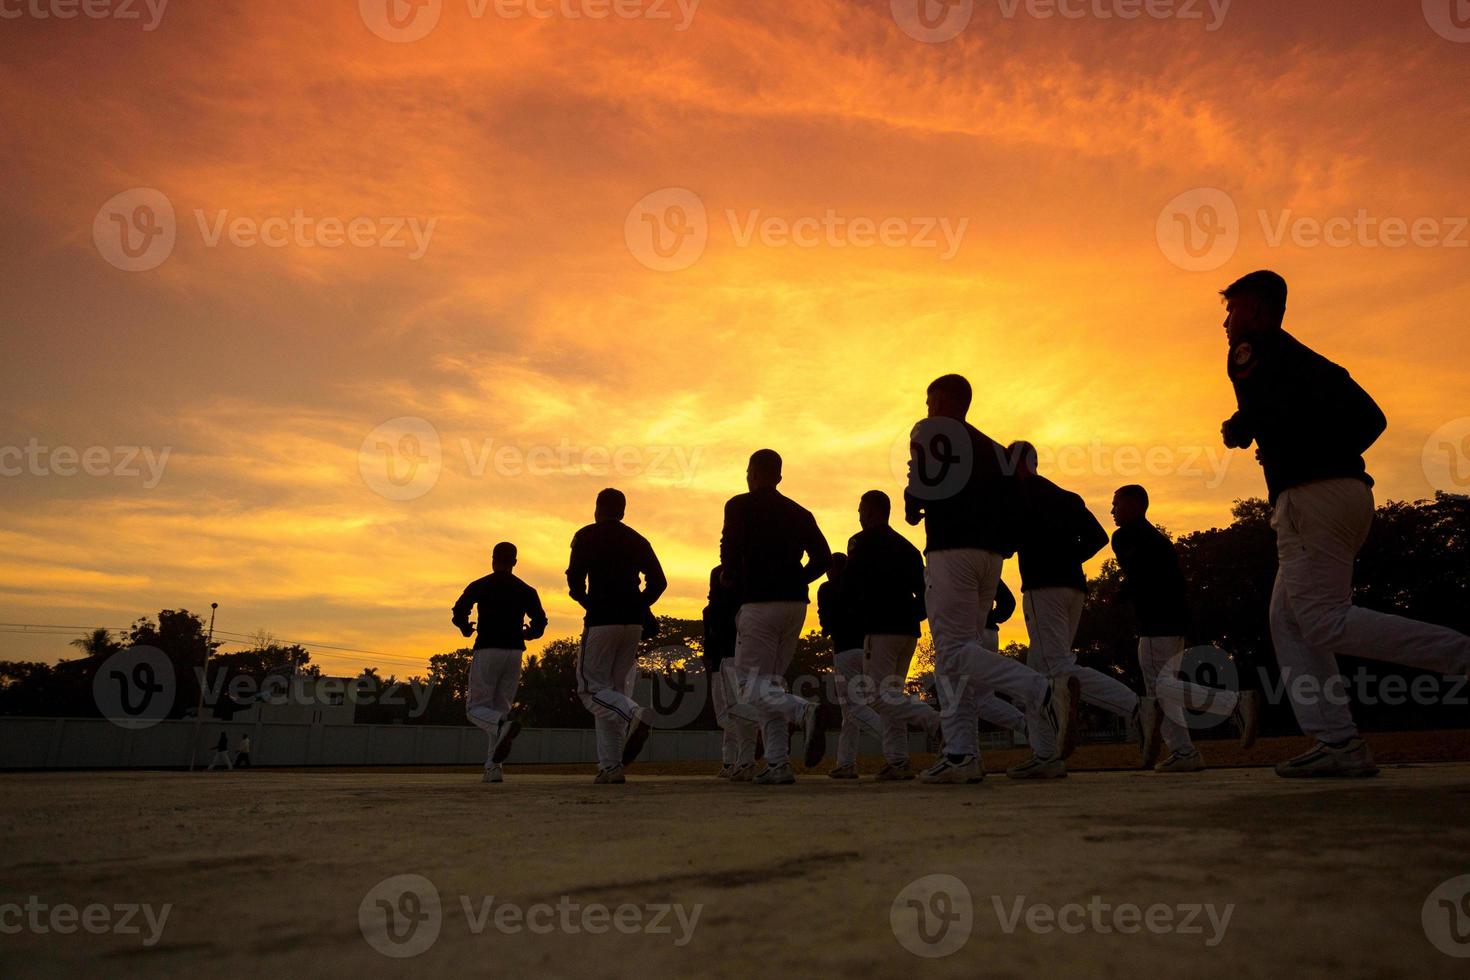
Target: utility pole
{"points": [[203, 680]]}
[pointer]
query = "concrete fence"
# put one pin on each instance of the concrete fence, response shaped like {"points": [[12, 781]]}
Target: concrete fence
{"points": [[94, 743]]}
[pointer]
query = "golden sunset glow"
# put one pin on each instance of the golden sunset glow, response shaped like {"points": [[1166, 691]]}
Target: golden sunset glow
{"points": [[500, 292]]}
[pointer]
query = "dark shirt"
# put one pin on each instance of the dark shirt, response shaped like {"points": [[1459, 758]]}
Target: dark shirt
{"points": [[1059, 533], [966, 493], [1310, 419], [719, 623], [505, 603], [1152, 579], [1004, 609], [607, 559], [836, 618], [762, 544], [884, 583]]}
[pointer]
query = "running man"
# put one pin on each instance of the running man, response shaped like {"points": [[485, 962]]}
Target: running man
{"points": [[1311, 423], [603, 577], [509, 614], [737, 744], [764, 539], [959, 488], [884, 591], [840, 624], [1059, 534], [1153, 582]]}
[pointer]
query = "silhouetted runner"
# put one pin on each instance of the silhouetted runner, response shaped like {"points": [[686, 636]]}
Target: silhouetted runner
{"points": [[840, 625], [616, 577], [737, 743], [1059, 534], [958, 486], [1154, 584], [765, 537], [1311, 424], [884, 590], [509, 613]]}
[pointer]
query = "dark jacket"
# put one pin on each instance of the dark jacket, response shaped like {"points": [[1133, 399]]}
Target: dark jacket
{"points": [[607, 559], [1310, 419], [884, 583], [1004, 609], [835, 617], [762, 544], [1152, 579], [505, 604], [719, 623], [1059, 533], [961, 483]]}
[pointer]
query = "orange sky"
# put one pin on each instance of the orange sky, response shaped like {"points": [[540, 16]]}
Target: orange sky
{"points": [[526, 328]]}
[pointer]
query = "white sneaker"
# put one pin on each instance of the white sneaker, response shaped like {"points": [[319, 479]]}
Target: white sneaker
{"points": [[1034, 768], [504, 739], [725, 771], [776, 776], [743, 774], [1180, 762], [493, 774], [1352, 759], [613, 775], [967, 770]]}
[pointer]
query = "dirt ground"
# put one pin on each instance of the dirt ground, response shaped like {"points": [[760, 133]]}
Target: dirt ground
{"points": [[292, 873]]}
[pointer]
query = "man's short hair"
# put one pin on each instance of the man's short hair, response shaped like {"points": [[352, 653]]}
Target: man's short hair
{"points": [[612, 501], [954, 386], [877, 500], [1134, 492], [1266, 286], [1022, 453], [766, 462], [504, 551]]}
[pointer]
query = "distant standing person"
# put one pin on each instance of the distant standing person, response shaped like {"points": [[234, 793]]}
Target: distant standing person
{"points": [[737, 743], [883, 587], [1311, 424], [958, 486], [764, 539], [1058, 535], [840, 626], [1153, 582], [509, 613], [221, 753], [616, 577], [242, 754]]}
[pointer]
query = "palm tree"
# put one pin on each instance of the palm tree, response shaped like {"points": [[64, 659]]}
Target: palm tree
{"points": [[97, 643]]}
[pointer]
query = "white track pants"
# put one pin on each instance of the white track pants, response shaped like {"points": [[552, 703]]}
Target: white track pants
{"points": [[605, 673], [1319, 529], [988, 706], [1052, 617], [494, 677], [737, 744], [855, 696], [961, 589], [886, 659], [765, 641]]}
